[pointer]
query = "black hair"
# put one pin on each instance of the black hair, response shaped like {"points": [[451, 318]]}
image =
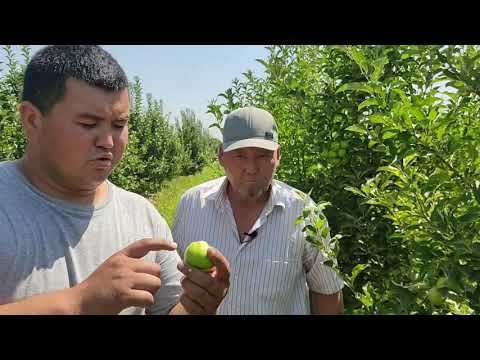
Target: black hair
{"points": [[49, 69]]}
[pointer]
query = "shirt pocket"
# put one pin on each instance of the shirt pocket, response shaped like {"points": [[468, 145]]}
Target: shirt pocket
{"points": [[280, 271], [277, 280], [288, 249]]}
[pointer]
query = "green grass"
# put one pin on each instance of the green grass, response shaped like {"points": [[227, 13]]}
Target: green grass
{"points": [[166, 200]]}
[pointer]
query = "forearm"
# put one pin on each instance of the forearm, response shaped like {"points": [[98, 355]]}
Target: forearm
{"points": [[61, 302], [321, 304]]}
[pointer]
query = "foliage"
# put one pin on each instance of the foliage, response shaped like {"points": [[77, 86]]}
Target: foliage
{"points": [[388, 135]]}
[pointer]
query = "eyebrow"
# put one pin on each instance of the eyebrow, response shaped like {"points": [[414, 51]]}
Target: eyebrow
{"points": [[100, 118]]}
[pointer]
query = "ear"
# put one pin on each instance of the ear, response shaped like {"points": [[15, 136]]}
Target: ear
{"points": [[220, 154], [279, 153], [31, 119]]}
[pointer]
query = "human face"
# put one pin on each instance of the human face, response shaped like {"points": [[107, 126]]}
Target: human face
{"points": [[81, 140], [250, 170]]}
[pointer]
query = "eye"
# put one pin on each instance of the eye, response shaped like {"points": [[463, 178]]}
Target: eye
{"points": [[119, 126], [87, 126]]}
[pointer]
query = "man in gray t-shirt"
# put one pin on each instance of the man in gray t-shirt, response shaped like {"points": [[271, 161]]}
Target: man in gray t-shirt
{"points": [[59, 244], [71, 242]]}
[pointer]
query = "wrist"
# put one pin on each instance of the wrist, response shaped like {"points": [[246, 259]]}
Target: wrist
{"points": [[76, 301]]}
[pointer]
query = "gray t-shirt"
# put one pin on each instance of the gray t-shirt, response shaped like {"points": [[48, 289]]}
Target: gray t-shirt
{"points": [[48, 244]]}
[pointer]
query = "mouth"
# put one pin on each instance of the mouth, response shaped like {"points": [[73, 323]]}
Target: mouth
{"points": [[105, 156], [103, 162], [251, 182]]}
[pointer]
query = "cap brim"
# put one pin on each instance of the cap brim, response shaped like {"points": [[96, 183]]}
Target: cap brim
{"points": [[259, 143]]}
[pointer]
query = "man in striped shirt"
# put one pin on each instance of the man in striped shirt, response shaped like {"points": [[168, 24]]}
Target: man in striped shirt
{"points": [[250, 218]]}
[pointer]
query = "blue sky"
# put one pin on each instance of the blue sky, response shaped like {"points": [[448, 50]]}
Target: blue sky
{"points": [[184, 75]]}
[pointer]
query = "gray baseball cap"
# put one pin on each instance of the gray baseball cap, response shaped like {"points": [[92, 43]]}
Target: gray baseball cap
{"points": [[250, 127]]}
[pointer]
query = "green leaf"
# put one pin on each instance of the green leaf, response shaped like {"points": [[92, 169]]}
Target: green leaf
{"points": [[470, 216], [357, 129], [366, 190], [356, 86], [408, 159], [378, 119], [455, 84], [215, 125], [319, 223], [301, 195], [404, 295], [325, 232], [418, 113], [368, 102], [389, 134], [372, 143], [438, 177], [358, 57], [451, 74], [356, 271], [328, 263], [402, 95], [366, 298], [312, 240], [378, 66], [472, 152], [372, 202], [440, 132], [391, 169], [355, 191], [432, 115]]}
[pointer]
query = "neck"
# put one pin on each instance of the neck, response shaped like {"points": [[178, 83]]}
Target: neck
{"points": [[43, 180]]}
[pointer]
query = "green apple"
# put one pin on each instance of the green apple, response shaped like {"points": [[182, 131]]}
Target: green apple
{"points": [[196, 255], [442, 283], [332, 154], [435, 297]]}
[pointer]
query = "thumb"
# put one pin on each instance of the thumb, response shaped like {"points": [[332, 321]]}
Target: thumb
{"points": [[220, 262]]}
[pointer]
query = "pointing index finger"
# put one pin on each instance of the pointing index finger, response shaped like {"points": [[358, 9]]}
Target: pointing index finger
{"points": [[142, 247]]}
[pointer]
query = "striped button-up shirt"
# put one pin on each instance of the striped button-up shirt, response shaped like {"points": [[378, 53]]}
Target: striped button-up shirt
{"points": [[272, 273]]}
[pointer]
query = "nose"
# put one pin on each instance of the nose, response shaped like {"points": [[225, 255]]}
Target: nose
{"points": [[251, 167], [105, 140]]}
